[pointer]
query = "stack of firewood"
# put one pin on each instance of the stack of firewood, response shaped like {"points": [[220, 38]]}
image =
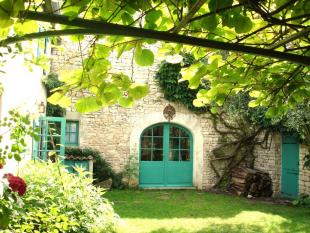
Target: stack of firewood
{"points": [[251, 182]]}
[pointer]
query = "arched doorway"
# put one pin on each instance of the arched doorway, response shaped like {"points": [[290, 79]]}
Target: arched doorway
{"points": [[166, 156]]}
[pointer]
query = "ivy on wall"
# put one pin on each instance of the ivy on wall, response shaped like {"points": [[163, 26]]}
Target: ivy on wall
{"points": [[168, 77], [243, 124], [52, 82], [235, 107]]}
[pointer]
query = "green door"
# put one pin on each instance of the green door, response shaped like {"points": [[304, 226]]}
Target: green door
{"points": [[52, 138], [290, 166], [166, 156]]}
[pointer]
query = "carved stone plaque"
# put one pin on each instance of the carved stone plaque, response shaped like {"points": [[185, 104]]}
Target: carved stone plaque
{"points": [[169, 112]]}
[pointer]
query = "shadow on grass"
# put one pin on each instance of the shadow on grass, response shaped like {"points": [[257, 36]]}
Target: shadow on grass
{"points": [[215, 229]]}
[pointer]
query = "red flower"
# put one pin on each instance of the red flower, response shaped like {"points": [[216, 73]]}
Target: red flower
{"points": [[16, 183], [1, 165]]}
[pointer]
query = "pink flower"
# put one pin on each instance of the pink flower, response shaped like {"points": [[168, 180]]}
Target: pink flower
{"points": [[16, 184]]}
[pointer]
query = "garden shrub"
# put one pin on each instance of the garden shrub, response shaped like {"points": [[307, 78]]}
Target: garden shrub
{"points": [[131, 172], [57, 201], [303, 200], [102, 170], [117, 181]]}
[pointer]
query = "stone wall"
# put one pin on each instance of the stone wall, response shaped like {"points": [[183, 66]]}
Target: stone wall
{"points": [[304, 174], [115, 131], [269, 160]]}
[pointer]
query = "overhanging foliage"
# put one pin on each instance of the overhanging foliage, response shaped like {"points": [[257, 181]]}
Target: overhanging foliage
{"points": [[248, 30]]}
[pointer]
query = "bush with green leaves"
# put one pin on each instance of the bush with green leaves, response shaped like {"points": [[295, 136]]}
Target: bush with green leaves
{"points": [[303, 200], [16, 127], [102, 170], [131, 171], [57, 201], [12, 188]]}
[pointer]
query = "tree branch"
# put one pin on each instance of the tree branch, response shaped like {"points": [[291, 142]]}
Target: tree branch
{"points": [[215, 12], [103, 28], [190, 15], [290, 38], [283, 7]]}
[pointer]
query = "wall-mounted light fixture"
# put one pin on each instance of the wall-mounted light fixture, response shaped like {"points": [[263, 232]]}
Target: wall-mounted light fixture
{"points": [[42, 107]]}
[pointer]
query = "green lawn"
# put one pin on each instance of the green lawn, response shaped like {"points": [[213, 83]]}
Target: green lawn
{"points": [[179, 211]]}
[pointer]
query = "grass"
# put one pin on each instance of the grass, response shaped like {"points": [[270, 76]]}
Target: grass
{"points": [[189, 211]]}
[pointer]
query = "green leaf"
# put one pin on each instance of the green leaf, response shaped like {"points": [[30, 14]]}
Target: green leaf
{"points": [[271, 112], [220, 99], [60, 99], [71, 11], [218, 4], [243, 24], [210, 23], [18, 5], [153, 16], [255, 94], [253, 103], [111, 94], [200, 102], [127, 18], [214, 110], [295, 202], [4, 217], [214, 62], [87, 104], [5, 20], [126, 102], [26, 27], [4, 32], [202, 93], [122, 81], [138, 91], [228, 20], [71, 78], [102, 51], [188, 72], [195, 80], [17, 157], [144, 58]]}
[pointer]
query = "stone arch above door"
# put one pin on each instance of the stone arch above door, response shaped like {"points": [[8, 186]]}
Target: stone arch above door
{"points": [[188, 121]]}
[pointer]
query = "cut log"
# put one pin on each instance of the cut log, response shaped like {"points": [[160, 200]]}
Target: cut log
{"points": [[251, 182], [238, 180]]}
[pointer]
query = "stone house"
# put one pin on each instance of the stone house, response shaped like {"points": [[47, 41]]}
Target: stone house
{"points": [[171, 152]]}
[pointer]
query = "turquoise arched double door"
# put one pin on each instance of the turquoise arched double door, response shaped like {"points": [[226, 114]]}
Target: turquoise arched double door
{"points": [[166, 156]]}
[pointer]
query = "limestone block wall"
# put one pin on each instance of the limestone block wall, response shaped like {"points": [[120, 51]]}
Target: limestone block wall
{"points": [[304, 174], [115, 131], [269, 160]]}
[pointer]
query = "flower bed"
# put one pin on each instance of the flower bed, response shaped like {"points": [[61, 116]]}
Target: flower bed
{"points": [[49, 199]]}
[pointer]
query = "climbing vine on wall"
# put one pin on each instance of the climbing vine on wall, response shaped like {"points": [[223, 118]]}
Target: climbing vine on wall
{"points": [[51, 82], [168, 77], [239, 126]]}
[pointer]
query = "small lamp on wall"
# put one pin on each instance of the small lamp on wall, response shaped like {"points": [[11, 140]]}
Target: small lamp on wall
{"points": [[41, 107]]}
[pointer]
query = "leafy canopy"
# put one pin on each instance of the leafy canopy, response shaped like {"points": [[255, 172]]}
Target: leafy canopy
{"points": [[260, 47]]}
